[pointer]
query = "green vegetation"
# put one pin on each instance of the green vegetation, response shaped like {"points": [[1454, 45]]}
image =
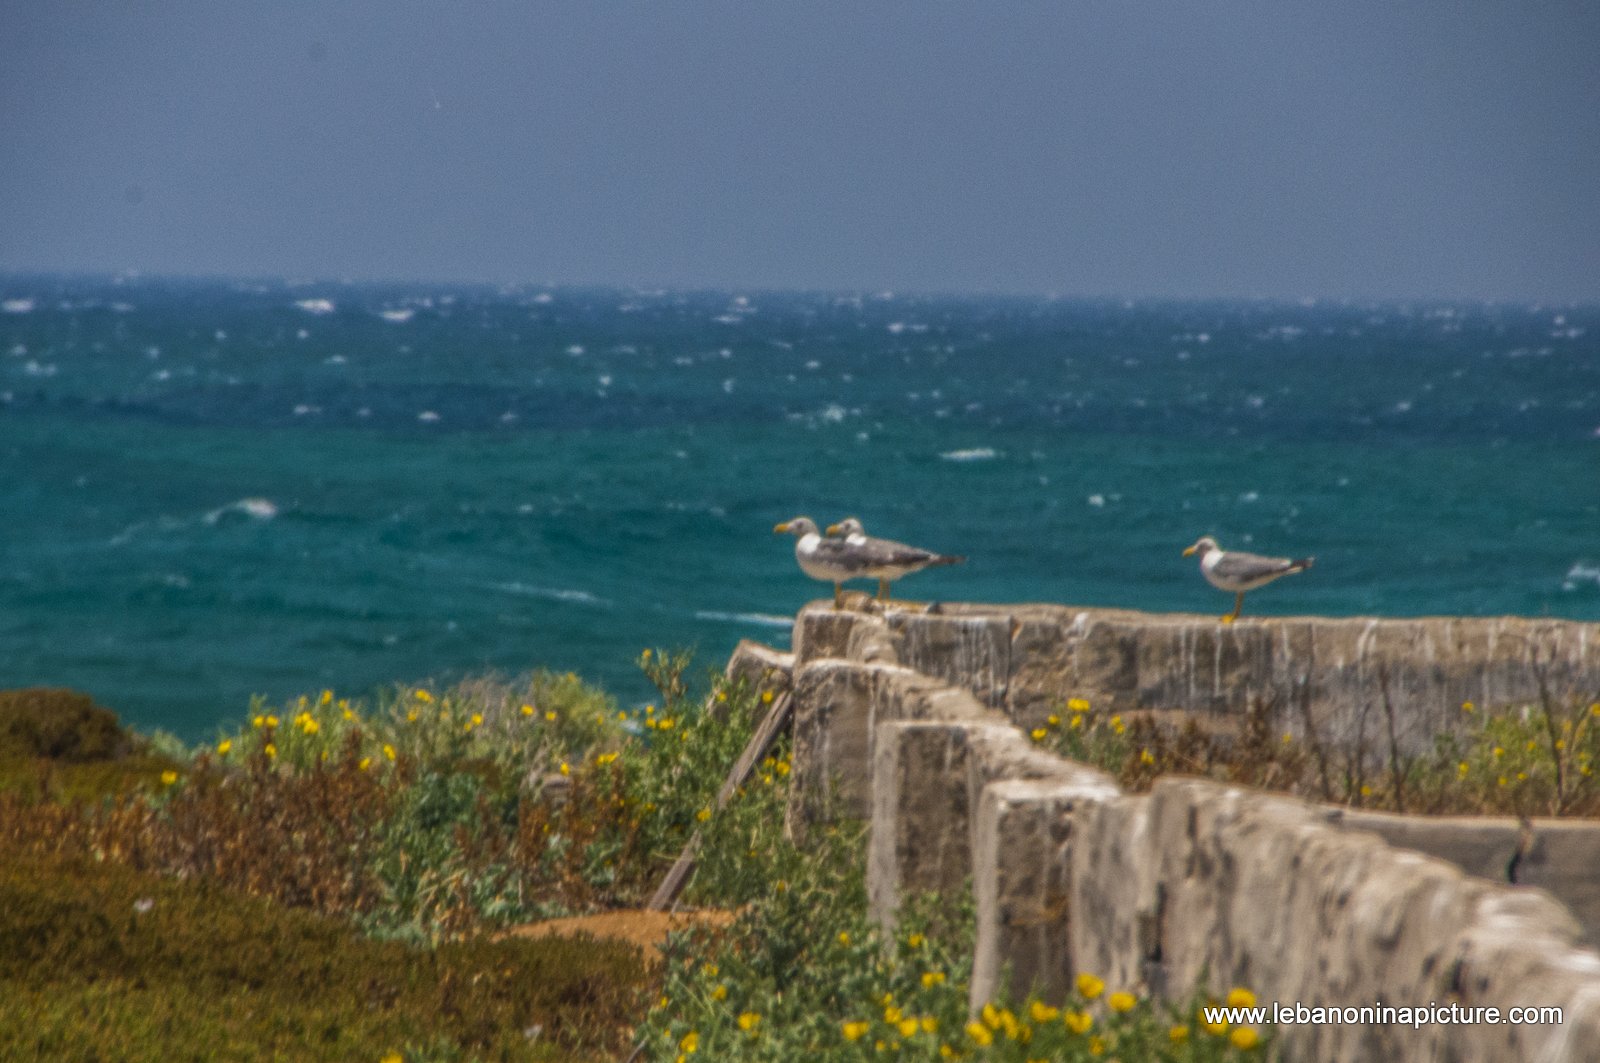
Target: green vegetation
{"points": [[328, 880], [1520, 760]]}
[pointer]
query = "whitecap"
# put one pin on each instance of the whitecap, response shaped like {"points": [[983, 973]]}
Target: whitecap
{"points": [[554, 594], [427, 417], [764, 619], [544, 297], [1583, 573], [254, 508], [1097, 501], [17, 306], [728, 319], [399, 317], [315, 306], [972, 454]]}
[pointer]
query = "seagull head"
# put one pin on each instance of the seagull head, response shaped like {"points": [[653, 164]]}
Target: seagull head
{"points": [[1202, 546], [796, 526], [847, 527]]}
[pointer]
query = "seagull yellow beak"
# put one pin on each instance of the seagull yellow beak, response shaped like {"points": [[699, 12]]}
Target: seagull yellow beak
{"points": [[831, 529], [1188, 551], [780, 527]]}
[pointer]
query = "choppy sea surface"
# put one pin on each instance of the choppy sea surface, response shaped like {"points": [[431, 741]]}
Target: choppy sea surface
{"points": [[213, 489]]}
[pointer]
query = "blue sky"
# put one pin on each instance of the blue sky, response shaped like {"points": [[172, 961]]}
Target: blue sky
{"points": [[1189, 149]]}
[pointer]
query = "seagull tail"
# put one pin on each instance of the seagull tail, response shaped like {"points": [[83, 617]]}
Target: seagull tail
{"points": [[946, 559], [1300, 564]]}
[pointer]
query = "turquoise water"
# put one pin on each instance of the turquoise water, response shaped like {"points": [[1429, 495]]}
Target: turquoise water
{"points": [[214, 490]]}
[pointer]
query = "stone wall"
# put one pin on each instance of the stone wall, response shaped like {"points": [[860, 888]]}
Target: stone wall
{"points": [[909, 718]]}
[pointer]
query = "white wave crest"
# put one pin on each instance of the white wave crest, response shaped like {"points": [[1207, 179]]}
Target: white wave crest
{"points": [[972, 454], [315, 306], [253, 508], [1581, 573], [399, 317], [554, 594], [764, 619], [17, 306]]}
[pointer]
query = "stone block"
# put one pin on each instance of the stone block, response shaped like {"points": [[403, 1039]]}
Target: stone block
{"points": [[973, 652], [1021, 885]]}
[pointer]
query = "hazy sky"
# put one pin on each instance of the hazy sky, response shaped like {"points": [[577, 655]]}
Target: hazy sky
{"points": [[1137, 147]]}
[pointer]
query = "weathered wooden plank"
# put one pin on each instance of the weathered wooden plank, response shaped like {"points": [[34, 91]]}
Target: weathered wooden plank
{"points": [[765, 734]]}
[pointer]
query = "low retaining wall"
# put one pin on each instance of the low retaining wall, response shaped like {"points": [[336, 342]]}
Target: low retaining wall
{"points": [[909, 719]]}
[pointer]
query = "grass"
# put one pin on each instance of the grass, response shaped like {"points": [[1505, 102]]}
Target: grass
{"points": [[1516, 760], [327, 880]]}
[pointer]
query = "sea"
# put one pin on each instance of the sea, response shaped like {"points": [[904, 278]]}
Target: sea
{"points": [[215, 490]]}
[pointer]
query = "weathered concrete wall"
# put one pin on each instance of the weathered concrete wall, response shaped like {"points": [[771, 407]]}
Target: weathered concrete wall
{"points": [[908, 718], [1343, 674]]}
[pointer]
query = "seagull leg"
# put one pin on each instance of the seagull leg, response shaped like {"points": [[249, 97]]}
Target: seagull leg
{"points": [[883, 589], [838, 595], [1238, 604]]}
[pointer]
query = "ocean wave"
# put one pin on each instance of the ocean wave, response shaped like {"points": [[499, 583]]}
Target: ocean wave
{"points": [[972, 454], [399, 317], [1581, 573], [17, 306], [553, 594], [253, 508], [315, 306], [764, 619]]}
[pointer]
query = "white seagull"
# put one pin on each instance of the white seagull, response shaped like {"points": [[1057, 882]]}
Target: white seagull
{"points": [[1231, 570], [885, 558], [830, 560]]}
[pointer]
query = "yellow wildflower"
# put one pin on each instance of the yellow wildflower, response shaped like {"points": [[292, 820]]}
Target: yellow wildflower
{"points": [[327, 698], [565, 768], [1244, 1038], [1077, 705], [270, 750], [550, 715], [854, 1031], [393, 1057], [1466, 706], [1461, 769], [423, 696], [891, 1014], [690, 1043], [1090, 986], [1097, 1047], [1038, 734], [388, 751], [258, 722], [766, 697], [1218, 1026], [980, 1033], [720, 992], [929, 1024], [915, 941], [1079, 1022], [844, 937], [1053, 720], [223, 747], [1240, 997], [703, 815], [748, 1021], [907, 1027], [527, 710], [932, 978], [168, 778], [366, 762], [1039, 1011], [272, 721], [1146, 757], [310, 726], [1121, 1001], [1178, 1034]]}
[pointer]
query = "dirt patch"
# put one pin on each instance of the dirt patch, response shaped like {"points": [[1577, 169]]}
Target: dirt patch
{"points": [[637, 926]]}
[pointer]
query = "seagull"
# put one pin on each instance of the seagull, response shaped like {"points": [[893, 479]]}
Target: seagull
{"points": [[830, 560], [1231, 570], [884, 558]]}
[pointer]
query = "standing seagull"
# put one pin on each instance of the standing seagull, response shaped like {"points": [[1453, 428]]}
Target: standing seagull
{"points": [[884, 558], [1230, 570], [831, 560]]}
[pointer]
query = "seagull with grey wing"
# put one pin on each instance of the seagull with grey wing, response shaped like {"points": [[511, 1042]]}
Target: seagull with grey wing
{"points": [[1233, 570], [885, 558], [830, 560]]}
